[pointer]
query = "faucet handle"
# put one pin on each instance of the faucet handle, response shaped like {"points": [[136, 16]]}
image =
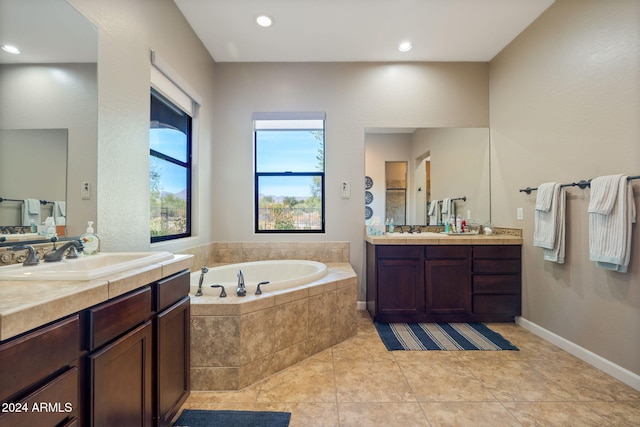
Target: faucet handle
{"points": [[259, 291]]}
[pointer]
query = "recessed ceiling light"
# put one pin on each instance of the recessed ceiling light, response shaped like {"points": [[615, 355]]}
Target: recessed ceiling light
{"points": [[264, 20], [10, 49], [405, 46]]}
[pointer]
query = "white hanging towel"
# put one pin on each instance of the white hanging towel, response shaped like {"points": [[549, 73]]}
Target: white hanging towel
{"points": [[549, 221], [434, 212], [612, 211], [60, 213], [30, 212], [448, 210]]}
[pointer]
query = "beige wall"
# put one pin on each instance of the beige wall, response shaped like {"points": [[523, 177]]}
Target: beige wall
{"points": [[128, 30], [565, 106], [354, 96]]}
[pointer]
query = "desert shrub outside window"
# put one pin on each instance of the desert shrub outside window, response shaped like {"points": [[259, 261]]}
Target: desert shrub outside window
{"points": [[170, 170], [289, 152]]}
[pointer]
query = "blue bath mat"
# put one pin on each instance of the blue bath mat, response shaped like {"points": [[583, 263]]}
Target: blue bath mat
{"points": [[441, 336], [205, 418]]}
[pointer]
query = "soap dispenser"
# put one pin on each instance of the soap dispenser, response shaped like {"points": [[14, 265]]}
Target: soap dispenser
{"points": [[90, 240]]}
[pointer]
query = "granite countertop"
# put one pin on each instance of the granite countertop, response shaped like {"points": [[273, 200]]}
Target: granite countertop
{"points": [[25, 305], [443, 239]]}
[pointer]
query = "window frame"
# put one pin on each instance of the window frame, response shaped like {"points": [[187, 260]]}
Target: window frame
{"points": [[188, 165], [320, 174]]}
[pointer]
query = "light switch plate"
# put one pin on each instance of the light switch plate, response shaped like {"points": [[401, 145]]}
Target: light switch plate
{"points": [[345, 188], [85, 190], [519, 214]]}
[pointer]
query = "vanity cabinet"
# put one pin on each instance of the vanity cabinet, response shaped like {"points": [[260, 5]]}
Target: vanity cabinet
{"points": [[443, 283], [400, 276], [497, 278], [448, 283], [120, 361], [123, 362], [172, 346], [138, 363], [39, 383]]}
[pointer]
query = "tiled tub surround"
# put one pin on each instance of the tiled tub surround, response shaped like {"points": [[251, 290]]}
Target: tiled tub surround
{"points": [[238, 341], [220, 253]]}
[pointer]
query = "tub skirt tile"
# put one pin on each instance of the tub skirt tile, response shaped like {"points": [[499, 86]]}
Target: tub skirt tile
{"points": [[215, 341]]}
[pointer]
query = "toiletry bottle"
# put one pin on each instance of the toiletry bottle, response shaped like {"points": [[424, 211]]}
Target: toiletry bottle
{"points": [[34, 228], [446, 227], [458, 224], [90, 240], [391, 226], [50, 226]]}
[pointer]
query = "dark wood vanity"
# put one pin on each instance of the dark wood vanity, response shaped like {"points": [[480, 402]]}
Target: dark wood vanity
{"points": [[123, 362], [444, 282]]}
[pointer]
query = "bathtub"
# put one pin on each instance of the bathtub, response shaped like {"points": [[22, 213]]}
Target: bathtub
{"points": [[306, 308], [281, 274]]}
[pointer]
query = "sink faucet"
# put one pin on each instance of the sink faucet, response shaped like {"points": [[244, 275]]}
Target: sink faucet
{"points": [[241, 290], [73, 246], [32, 258]]}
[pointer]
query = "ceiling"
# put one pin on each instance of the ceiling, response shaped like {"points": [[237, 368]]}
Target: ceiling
{"points": [[46, 31], [359, 30]]}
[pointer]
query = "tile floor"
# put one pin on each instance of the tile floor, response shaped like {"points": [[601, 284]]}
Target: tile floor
{"points": [[360, 383]]}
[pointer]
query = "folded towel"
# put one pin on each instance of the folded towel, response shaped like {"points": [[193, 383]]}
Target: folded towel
{"points": [[30, 212], [434, 213], [446, 204], [545, 196], [549, 224], [60, 213], [612, 211]]}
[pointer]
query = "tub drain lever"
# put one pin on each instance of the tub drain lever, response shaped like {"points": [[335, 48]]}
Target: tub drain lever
{"points": [[259, 291]]}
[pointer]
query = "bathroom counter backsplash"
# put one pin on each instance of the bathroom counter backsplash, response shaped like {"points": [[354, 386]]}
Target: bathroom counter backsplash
{"points": [[28, 305]]}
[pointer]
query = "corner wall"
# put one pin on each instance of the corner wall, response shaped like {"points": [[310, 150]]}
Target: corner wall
{"points": [[565, 106]]}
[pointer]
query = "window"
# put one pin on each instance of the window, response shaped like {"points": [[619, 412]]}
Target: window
{"points": [[170, 170], [289, 172]]}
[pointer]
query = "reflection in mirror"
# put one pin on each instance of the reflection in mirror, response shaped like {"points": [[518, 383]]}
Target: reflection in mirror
{"points": [[41, 148], [443, 163], [51, 89], [395, 175]]}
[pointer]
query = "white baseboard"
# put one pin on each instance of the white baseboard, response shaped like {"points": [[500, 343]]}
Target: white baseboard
{"points": [[361, 305], [605, 365]]}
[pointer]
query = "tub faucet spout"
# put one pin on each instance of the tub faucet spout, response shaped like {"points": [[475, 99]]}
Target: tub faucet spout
{"points": [[241, 291]]}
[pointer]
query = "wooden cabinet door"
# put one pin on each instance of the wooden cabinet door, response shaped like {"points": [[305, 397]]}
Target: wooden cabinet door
{"points": [[172, 365], [448, 288], [120, 381], [400, 287]]}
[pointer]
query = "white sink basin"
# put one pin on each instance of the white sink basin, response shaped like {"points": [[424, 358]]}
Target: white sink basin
{"points": [[84, 268]]}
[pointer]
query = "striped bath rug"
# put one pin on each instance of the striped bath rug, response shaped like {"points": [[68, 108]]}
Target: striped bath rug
{"points": [[441, 336]]}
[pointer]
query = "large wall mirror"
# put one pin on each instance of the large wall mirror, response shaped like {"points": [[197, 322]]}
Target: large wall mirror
{"points": [[441, 163], [49, 104]]}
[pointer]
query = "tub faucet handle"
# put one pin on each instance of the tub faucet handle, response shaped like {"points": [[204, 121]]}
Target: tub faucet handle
{"points": [[259, 291], [223, 293]]}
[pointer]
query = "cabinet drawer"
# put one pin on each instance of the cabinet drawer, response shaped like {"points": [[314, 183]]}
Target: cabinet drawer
{"points": [[496, 251], [403, 251], [37, 355], [496, 304], [496, 266], [496, 284], [170, 290], [448, 252], [49, 405], [112, 319]]}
